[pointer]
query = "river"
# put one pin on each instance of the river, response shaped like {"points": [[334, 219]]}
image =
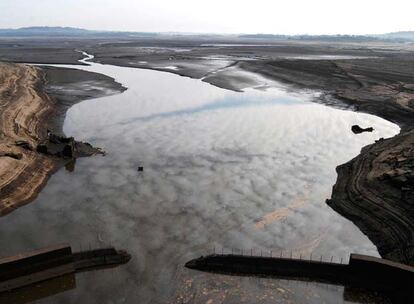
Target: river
{"points": [[223, 170]]}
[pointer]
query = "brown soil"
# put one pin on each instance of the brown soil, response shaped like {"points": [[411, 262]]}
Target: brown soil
{"points": [[23, 109], [26, 113]]}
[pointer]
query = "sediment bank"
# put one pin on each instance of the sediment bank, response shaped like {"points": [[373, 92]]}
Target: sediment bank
{"points": [[32, 100]]}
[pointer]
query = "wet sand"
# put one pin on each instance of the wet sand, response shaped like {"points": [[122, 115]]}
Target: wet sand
{"points": [[27, 113]]}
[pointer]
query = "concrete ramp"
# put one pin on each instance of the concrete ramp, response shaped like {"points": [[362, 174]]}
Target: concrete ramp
{"points": [[52, 262], [39, 265], [362, 271]]}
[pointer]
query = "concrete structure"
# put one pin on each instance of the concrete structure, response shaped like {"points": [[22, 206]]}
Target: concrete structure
{"points": [[362, 271], [52, 262]]}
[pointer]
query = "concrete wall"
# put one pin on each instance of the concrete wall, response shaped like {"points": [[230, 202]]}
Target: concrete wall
{"points": [[363, 271], [35, 266], [379, 272]]}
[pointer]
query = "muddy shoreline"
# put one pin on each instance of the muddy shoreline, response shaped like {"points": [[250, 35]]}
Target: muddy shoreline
{"points": [[33, 101]]}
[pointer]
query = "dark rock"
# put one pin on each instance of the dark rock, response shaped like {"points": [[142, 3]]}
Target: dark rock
{"points": [[70, 166], [140, 169], [66, 147], [83, 149], [358, 130]]}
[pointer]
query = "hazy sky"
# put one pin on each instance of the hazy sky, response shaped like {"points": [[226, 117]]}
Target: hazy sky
{"points": [[227, 16]]}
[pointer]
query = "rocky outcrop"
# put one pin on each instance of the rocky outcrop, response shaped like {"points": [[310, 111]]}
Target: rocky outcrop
{"points": [[66, 147], [376, 191]]}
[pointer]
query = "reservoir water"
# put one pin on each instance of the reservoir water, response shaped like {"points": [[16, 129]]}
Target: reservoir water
{"points": [[222, 169]]}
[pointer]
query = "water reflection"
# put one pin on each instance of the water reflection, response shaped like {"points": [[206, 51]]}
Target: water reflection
{"points": [[222, 169], [38, 291], [70, 166], [231, 289]]}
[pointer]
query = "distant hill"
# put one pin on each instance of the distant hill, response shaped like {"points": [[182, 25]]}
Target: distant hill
{"points": [[406, 35], [45, 31], [333, 38], [393, 37], [264, 36]]}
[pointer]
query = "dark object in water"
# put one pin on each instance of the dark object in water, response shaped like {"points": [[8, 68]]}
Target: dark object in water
{"points": [[358, 130], [140, 169]]}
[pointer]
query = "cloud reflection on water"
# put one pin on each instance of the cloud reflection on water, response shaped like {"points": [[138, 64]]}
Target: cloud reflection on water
{"points": [[216, 162]]}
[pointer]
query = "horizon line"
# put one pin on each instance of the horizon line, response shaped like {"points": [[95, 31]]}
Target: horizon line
{"points": [[198, 33]]}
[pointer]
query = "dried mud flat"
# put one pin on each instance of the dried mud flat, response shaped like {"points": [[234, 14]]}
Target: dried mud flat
{"points": [[26, 114]]}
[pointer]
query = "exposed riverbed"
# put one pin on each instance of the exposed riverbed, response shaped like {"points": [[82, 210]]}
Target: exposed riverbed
{"points": [[221, 169]]}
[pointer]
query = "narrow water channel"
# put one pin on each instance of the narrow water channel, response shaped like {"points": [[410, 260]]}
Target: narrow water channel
{"points": [[222, 169]]}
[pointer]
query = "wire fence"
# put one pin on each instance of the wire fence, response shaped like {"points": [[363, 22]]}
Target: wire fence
{"points": [[280, 254]]}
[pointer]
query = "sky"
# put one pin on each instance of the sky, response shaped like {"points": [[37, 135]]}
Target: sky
{"points": [[214, 16]]}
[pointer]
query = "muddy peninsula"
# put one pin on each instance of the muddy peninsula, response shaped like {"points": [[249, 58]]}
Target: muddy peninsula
{"points": [[33, 103]]}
